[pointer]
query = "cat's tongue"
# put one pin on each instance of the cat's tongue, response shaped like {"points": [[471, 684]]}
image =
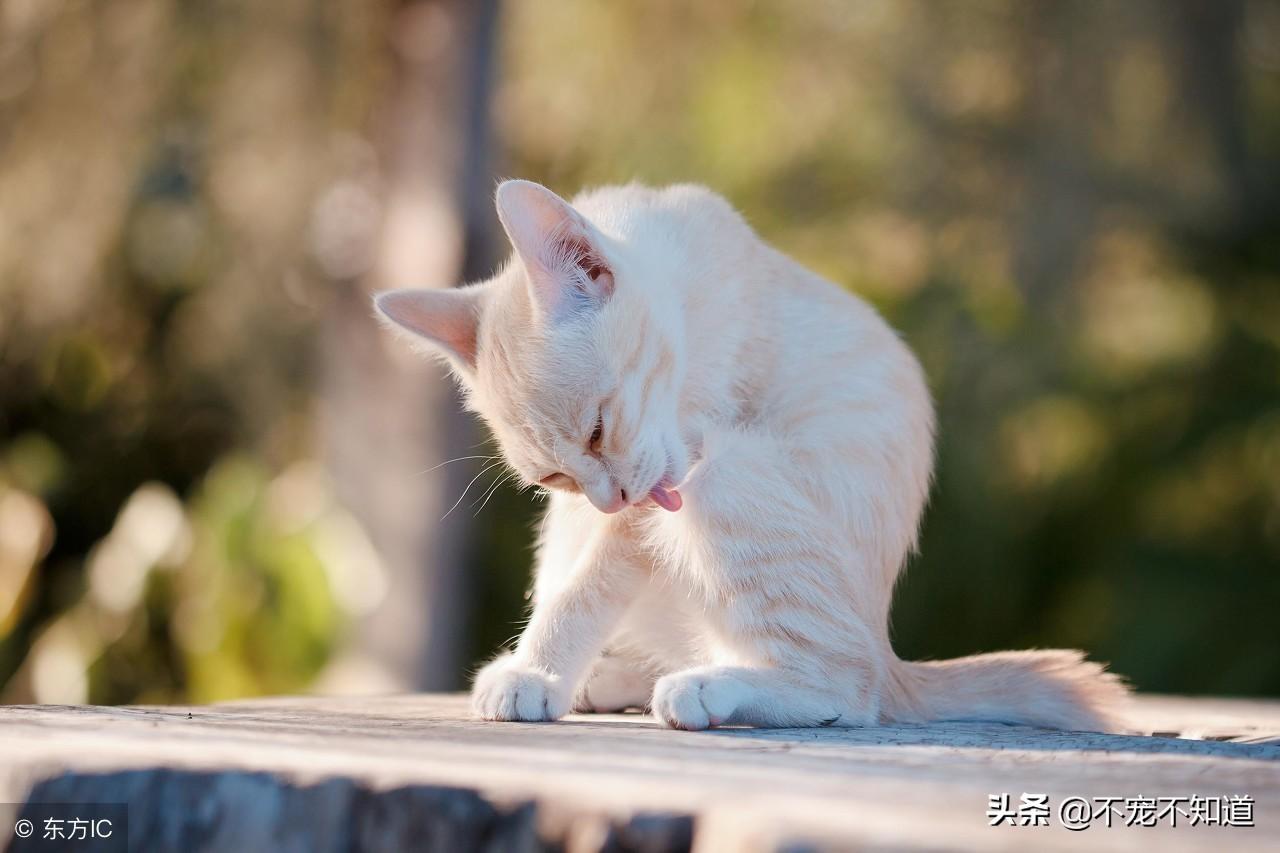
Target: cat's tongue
{"points": [[666, 497]]}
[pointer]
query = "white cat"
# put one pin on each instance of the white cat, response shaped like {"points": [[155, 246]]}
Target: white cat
{"points": [[737, 454]]}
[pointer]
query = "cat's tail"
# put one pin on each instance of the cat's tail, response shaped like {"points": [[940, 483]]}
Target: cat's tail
{"points": [[1053, 688]]}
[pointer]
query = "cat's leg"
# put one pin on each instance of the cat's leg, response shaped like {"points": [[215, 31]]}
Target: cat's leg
{"points": [[572, 618], [659, 634], [616, 682], [794, 602]]}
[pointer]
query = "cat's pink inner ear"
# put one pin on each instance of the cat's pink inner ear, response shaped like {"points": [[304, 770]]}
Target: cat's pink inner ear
{"points": [[558, 246], [448, 318]]}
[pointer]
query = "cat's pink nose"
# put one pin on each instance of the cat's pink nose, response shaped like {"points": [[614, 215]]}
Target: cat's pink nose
{"points": [[618, 503]]}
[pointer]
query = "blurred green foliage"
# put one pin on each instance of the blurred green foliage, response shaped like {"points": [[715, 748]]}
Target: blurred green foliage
{"points": [[1071, 211]]}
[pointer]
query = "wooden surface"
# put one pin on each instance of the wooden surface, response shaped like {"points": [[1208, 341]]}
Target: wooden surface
{"points": [[417, 772]]}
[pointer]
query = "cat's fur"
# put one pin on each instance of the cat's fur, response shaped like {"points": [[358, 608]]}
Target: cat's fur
{"points": [[791, 422]]}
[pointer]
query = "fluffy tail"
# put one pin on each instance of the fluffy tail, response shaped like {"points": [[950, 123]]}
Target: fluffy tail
{"points": [[1053, 688]]}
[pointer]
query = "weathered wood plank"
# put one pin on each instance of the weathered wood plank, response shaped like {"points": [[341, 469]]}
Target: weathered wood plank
{"points": [[417, 772]]}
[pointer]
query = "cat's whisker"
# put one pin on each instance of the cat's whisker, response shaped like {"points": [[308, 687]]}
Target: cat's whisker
{"points": [[468, 487], [451, 461], [503, 477], [542, 527], [508, 480], [497, 484]]}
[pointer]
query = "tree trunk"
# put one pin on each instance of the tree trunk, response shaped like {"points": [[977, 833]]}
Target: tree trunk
{"points": [[391, 415]]}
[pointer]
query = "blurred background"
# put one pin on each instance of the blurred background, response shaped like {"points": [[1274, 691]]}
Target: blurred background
{"points": [[219, 478]]}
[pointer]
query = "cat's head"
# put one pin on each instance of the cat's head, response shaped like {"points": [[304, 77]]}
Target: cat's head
{"points": [[573, 353]]}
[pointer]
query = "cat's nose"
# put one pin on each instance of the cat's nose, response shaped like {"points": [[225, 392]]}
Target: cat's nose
{"points": [[617, 503]]}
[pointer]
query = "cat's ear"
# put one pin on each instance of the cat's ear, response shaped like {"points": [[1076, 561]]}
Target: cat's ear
{"points": [[448, 318], [562, 252]]}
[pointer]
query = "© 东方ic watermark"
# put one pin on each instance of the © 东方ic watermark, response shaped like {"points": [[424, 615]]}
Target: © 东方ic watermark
{"points": [[88, 827], [1079, 813]]}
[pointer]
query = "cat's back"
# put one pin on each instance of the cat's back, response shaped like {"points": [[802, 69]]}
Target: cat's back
{"points": [[788, 332], [719, 253], [679, 220], [810, 349]]}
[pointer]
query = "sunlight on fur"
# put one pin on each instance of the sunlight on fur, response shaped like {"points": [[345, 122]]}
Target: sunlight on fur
{"points": [[738, 454]]}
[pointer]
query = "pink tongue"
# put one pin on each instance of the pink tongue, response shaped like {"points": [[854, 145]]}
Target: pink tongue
{"points": [[668, 499]]}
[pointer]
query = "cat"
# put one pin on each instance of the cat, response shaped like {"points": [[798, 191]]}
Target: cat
{"points": [[737, 455]]}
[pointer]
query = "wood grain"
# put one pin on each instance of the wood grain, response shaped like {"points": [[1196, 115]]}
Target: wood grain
{"points": [[417, 772]]}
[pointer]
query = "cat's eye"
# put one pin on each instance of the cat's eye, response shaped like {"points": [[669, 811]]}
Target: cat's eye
{"points": [[556, 481], [596, 441]]}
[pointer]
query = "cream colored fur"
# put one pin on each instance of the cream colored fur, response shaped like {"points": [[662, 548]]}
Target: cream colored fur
{"points": [[790, 420]]}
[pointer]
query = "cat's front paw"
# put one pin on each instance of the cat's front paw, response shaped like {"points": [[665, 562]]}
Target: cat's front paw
{"points": [[509, 691], [697, 699]]}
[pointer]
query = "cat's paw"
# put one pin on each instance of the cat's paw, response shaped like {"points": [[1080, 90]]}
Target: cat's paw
{"points": [[509, 691], [697, 699]]}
